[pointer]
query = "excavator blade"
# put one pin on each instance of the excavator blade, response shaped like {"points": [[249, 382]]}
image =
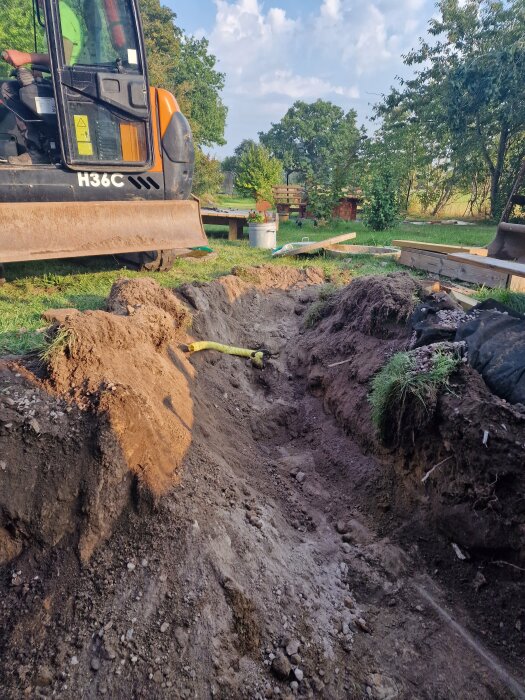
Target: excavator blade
{"points": [[48, 230], [509, 243]]}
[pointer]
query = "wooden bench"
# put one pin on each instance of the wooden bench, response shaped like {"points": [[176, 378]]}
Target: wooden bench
{"points": [[288, 199]]}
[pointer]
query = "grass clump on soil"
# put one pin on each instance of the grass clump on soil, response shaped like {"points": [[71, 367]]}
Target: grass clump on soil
{"points": [[64, 341], [318, 309], [404, 394]]}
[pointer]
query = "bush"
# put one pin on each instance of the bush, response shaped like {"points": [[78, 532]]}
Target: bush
{"points": [[208, 177], [257, 173], [382, 206]]}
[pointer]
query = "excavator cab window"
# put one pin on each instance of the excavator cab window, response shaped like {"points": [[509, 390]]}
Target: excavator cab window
{"points": [[99, 74]]}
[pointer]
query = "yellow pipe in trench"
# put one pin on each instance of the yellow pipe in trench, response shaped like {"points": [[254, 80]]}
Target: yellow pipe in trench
{"points": [[258, 357]]}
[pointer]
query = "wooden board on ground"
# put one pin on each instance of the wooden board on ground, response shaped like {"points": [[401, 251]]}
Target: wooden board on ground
{"points": [[464, 300], [514, 271], [342, 251], [440, 248], [440, 264], [314, 247]]}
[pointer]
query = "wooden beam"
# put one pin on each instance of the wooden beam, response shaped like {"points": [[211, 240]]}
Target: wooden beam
{"points": [[506, 266], [439, 264], [439, 247]]}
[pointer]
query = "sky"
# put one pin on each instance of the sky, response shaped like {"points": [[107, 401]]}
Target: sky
{"points": [[274, 52]]}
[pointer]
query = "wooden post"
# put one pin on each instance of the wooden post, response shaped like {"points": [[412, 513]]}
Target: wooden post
{"points": [[235, 227], [233, 230]]}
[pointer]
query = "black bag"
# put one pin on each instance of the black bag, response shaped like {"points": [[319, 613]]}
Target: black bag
{"points": [[495, 336]]}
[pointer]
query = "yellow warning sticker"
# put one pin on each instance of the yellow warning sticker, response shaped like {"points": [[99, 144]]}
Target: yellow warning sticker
{"points": [[82, 128], [85, 149]]}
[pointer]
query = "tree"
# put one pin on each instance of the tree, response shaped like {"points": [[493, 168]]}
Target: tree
{"points": [[230, 163], [308, 135], [468, 91], [196, 78], [208, 175], [322, 143], [163, 42], [257, 173], [381, 208], [184, 66]]}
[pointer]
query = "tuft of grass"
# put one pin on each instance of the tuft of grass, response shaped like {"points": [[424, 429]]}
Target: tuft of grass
{"points": [[316, 311], [514, 300], [64, 341], [400, 382]]}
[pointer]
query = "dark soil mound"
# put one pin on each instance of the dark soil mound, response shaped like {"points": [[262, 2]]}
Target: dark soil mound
{"points": [[362, 326], [479, 438], [63, 480]]}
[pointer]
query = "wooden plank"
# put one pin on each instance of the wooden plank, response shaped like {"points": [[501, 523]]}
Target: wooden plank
{"points": [[213, 215], [506, 266], [314, 247], [516, 284], [439, 264], [440, 248], [466, 302]]}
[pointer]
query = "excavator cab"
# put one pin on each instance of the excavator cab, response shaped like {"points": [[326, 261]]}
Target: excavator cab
{"points": [[116, 158]]}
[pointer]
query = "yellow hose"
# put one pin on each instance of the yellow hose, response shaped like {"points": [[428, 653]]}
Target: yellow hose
{"points": [[258, 357]]}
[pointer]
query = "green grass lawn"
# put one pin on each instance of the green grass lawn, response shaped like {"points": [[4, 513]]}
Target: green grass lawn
{"points": [[34, 287]]}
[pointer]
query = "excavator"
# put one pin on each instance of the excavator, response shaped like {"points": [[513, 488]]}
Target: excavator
{"points": [[115, 171]]}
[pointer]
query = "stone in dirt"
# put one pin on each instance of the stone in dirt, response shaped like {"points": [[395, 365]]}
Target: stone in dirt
{"points": [[292, 647], [281, 667]]}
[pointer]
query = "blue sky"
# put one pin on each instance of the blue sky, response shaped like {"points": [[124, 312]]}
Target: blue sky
{"points": [[274, 52]]}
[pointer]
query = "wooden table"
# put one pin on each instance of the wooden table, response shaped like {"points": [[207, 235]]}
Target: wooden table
{"points": [[236, 220]]}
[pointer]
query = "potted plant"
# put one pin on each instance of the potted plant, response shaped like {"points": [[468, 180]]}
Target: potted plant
{"points": [[263, 232]]}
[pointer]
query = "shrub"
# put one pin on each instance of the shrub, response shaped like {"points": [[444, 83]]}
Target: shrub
{"points": [[208, 175], [382, 206], [257, 173]]}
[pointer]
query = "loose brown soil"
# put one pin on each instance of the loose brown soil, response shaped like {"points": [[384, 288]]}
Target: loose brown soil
{"points": [[175, 527]]}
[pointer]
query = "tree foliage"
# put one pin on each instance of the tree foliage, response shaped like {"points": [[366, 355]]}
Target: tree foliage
{"points": [[208, 175], [231, 163], [322, 143], [257, 173], [184, 66], [467, 96], [382, 205]]}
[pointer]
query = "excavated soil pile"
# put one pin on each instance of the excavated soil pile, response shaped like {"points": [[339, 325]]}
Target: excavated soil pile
{"points": [[264, 572], [125, 364], [361, 326], [112, 420], [476, 496]]}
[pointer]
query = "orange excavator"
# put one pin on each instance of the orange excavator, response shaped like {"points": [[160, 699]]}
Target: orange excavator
{"points": [[116, 156]]}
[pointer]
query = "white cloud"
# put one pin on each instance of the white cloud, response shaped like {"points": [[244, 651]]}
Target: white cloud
{"points": [[331, 10], [297, 87], [342, 51]]}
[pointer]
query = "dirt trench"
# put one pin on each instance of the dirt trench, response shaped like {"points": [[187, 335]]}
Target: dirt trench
{"points": [[270, 566]]}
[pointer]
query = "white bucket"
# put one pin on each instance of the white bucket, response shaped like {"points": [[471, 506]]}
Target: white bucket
{"points": [[263, 235]]}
